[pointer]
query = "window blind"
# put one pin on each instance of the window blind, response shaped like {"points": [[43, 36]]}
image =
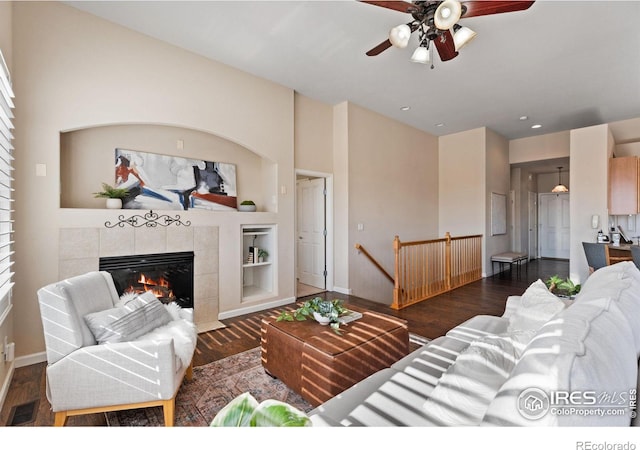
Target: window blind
{"points": [[6, 188]]}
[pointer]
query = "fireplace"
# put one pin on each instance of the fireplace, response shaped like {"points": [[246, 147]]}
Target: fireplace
{"points": [[168, 275]]}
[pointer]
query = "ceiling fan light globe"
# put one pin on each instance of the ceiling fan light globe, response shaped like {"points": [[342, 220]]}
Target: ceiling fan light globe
{"points": [[447, 14], [421, 55], [399, 36], [462, 37]]}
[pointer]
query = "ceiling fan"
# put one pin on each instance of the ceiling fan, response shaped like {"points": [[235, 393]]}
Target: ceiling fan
{"points": [[437, 25]]}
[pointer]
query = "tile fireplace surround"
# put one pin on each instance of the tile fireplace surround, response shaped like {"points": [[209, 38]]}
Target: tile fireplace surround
{"points": [[81, 248]]}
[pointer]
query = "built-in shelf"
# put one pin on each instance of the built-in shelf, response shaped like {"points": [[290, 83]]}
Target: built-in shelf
{"points": [[258, 278], [257, 264], [250, 293]]}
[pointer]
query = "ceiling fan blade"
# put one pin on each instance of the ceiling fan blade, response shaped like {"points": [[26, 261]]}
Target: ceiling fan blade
{"points": [[446, 47], [401, 6], [484, 8], [379, 48]]}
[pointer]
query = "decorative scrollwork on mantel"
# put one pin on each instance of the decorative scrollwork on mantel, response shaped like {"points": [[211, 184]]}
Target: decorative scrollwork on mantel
{"points": [[149, 220]]}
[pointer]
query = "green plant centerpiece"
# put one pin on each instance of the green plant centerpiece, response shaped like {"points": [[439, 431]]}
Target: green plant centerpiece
{"points": [[248, 202], [322, 310], [562, 287], [109, 191]]}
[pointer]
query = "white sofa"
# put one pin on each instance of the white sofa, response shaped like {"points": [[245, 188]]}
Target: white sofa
{"points": [[545, 362]]}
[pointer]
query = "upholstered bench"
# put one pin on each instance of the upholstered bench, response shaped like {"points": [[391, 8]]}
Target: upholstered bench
{"points": [[510, 258]]}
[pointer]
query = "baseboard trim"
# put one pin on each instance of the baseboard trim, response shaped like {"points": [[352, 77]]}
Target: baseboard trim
{"points": [[5, 386], [34, 358], [340, 290], [256, 308]]}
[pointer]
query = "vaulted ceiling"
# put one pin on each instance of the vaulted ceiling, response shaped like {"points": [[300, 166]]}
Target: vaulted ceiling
{"points": [[563, 64]]}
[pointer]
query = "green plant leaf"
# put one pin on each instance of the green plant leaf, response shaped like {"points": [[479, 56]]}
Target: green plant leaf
{"points": [[569, 286], [274, 413], [553, 281], [109, 191], [237, 413], [284, 315]]}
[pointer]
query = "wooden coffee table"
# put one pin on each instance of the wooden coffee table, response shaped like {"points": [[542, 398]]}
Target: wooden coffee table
{"points": [[319, 364]]}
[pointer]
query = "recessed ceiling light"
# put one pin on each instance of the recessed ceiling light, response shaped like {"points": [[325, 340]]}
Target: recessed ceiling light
{"points": [[536, 126], [524, 117], [439, 124], [405, 108]]}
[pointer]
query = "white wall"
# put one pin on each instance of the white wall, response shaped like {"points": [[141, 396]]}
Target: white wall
{"points": [[473, 165], [461, 183], [547, 147], [393, 190], [462, 189], [591, 148], [98, 73], [497, 181], [6, 30], [341, 197], [87, 159], [313, 135], [547, 181], [539, 148], [627, 149]]}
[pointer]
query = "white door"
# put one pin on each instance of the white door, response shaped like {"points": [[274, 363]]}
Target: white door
{"points": [[533, 225], [311, 247], [554, 225]]}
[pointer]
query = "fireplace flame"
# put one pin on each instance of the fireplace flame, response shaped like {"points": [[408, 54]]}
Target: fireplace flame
{"points": [[160, 287], [151, 282]]}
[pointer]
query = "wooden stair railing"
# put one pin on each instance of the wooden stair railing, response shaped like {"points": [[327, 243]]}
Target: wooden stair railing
{"points": [[375, 263], [424, 269]]}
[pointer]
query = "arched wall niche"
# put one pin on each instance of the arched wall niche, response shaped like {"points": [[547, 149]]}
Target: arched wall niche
{"points": [[87, 158]]}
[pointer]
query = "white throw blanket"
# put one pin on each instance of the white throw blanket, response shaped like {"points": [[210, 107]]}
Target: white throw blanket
{"points": [[182, 331]]}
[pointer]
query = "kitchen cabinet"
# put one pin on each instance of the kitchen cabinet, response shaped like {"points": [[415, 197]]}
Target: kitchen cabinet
{"points": [[624, 186]]}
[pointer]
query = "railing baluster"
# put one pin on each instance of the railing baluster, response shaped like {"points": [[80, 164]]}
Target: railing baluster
{"points": [[425, 269]]}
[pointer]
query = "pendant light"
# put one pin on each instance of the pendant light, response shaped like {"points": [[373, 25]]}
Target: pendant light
{"points": [[560, 187]]}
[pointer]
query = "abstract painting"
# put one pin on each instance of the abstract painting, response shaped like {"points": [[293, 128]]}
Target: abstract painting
{"points": [[171, 182]]}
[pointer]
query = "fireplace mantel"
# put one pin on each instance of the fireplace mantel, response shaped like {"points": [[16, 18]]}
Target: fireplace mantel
{"points": [[81, 248]]}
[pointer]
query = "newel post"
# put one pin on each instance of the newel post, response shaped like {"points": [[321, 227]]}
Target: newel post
{"points": [[396, 274], [447, 260]]}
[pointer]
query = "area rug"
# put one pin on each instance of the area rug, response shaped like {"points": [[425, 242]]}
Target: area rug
{"points": [[212, 387]]}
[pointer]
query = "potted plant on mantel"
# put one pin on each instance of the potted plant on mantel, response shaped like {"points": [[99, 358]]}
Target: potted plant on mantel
{"points": [[113, 195], [247, 206]]}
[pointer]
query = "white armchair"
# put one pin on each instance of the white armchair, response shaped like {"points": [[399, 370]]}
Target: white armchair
{"points": [[104, 355]]}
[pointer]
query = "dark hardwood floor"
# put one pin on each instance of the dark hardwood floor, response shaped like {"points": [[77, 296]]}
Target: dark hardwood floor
{"points": [[430, 319]]}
